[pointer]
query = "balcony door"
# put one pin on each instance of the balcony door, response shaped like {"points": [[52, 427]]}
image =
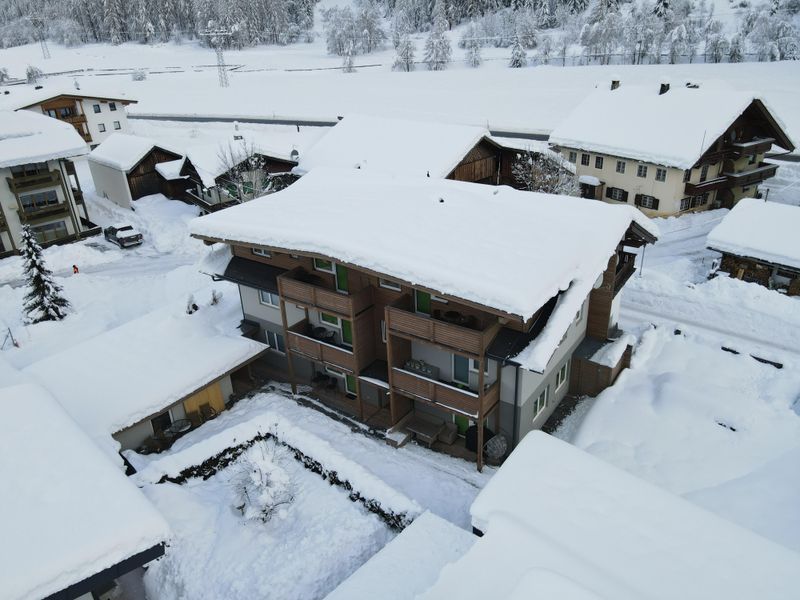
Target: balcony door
{"points": [[460, 369]]}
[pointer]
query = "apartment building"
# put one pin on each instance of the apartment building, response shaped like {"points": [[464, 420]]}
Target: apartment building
{"points": [[94, 113], [38, 183], [427, 306], [669, 150]]}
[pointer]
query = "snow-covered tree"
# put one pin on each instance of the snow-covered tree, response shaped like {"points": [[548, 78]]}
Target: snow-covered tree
{"points": [[347, 60], [263, 488], [519, 58], [535, 172], [546, 49], [736, 52], [33, 74], [437, 47], [678, 43], [716, 47], [404, 61], [44, 301], [114, 20], [661, 9], [368, 25]]}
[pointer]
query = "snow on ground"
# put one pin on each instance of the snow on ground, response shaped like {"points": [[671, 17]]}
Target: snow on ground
{"points": [[301, 553]]}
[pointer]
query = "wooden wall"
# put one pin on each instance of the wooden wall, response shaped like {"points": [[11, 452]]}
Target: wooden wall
{"points": [[144, 180], [589, 379], [600, 301]]}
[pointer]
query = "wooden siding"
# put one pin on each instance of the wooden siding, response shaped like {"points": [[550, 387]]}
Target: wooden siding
{"points": [[307, 347], [316, 296], [435, 392], [589, 378], [600, 300], [143, 179]]}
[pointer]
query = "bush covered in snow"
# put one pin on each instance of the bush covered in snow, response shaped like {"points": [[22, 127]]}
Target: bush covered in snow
{"points": [[535, 172], [262, 486]]}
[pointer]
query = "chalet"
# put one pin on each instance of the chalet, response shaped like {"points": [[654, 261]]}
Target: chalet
{"points": [[556, 522], [410, 148], [38, 183], [126, 167], [759, 242], [152, 378], [403, 303], [95, 116], [669, 151], [72, 522]]}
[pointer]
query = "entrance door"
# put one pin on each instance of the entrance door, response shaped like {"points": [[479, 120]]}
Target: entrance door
{"points": [[341, 279]]}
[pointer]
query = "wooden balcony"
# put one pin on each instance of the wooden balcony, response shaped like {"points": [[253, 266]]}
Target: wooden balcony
{"points": [[754, 146], [300, 342], [699, 188], [425, 328], [42, 180], [625, 269], [52, 210], [444, 395], [306, 289], [755, 175]]}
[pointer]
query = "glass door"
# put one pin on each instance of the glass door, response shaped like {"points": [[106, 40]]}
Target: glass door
{"points": [[460, 369]]}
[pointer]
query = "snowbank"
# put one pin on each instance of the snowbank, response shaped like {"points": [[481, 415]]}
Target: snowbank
{"points": [[27, 137], [609, 355]]}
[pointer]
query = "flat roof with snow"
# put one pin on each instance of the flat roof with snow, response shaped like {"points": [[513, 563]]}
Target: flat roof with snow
{"points": [[395, 146], [123, 151], [766, 231], [116, 379], [501, 248], [560, 523], [27, 137], [68, 512], [673, 129]]}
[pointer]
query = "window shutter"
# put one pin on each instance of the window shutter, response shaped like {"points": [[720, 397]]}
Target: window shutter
{"points": [[655, 203], [608, 192], [624, 196], [637, 200]]}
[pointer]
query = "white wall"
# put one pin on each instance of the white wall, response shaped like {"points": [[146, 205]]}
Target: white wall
{"points": [[110, 183], [106, 117]]}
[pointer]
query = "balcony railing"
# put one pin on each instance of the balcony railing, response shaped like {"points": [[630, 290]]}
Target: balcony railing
{"points": [[447, 396], [301, 342], [625, 269], [44, 179], [38, 212], [757, 145], [301, 287], [701, 187], [759, 173]]}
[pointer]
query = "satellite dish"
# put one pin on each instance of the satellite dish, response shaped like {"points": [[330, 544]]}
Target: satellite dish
{"points": [[294, 154]]}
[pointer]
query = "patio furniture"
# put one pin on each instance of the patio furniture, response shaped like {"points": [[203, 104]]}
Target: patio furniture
{"points": [[318, 332], [177, 428], [422, 368], [425, 431], [454, 317], [195, 418], [207, 412], [448, 434]]}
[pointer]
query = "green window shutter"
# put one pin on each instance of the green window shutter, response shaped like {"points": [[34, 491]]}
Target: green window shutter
{"points": [[462, 423], [347, 332], [350, 384], [326, 318], [341, 278], [422, 302]]}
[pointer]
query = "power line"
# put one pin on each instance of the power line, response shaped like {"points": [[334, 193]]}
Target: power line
{"points": [[217, 39]]}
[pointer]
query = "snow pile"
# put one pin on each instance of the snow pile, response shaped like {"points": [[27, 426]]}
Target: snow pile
{"points": [[609, 355], [123, 151], [392, 146], [68, 512], [27, 137], [672, 129], [708, 424], [409, 564], [602, 533], [762, 230], [519, 272], [264, 488], [171, 170]]}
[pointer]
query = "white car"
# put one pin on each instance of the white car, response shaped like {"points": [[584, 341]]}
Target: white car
{"points": [[123, 236]]}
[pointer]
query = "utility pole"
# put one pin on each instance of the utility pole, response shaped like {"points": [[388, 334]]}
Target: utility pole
{"points": [[217, 39]]}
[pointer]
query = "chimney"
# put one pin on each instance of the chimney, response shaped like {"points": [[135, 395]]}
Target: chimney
{"points": [[614, 84], [663, 89]]}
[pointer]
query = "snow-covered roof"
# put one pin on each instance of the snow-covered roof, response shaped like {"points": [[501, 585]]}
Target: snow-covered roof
{"points": [[68, 512], [393, 146], [444, 235], [560, 523], [421, 550], [124, 151], [171, 170], [25, 96], [127, 374], [673, 129], [27, 137], [762, 230]]}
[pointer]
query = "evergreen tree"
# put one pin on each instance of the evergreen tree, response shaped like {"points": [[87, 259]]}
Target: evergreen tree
{"points": [[405, 55], [735, 52], [114, 21], [519, 57], [437, 47], [44, 301], [661, 9], [347, 60], [472, 44]]}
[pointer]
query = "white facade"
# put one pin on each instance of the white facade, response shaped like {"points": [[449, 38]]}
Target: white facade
{"points": [[111, 183], [103, 117]]}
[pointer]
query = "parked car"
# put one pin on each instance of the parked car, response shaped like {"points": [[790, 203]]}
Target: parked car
{"points": [[123, 236]]}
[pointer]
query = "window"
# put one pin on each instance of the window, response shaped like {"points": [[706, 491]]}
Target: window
{"points": [[29, 169], [704, 173], [49, 232], [585, 160], [269, 299], [326, 266], [389, 284], [620, 166], [96, 108], [646, 201], [117, 126], [161, 423], [573, 157], [422, 302], [383, 331], [687, 175], [112, 106], [541, 402], [262, 252], [330, 319], [275, 341], [473, 366], [686, 203], [561, 376], [51, 112], [661, 174], [460, 369], [101, 128], [641, 171], [598, 162], [752, 160], [38, 200], [617, 194]]}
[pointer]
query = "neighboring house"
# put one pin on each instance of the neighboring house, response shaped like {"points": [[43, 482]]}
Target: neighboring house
{"points": [[760, 242], [420, 300], [38, 183], [72, 522], [95, 115], [135, 381], [668, 151], [556, 523], [126, 167], [410, 148]]}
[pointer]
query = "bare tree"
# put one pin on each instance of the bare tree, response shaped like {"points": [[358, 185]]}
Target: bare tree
{"points": [[539, 172]]}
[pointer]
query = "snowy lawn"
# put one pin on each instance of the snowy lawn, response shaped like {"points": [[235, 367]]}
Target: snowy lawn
{"points": [[302, 552], [721, 429]]}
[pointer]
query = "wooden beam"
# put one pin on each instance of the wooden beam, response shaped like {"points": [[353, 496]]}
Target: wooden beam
{"points": [[286, 343]]}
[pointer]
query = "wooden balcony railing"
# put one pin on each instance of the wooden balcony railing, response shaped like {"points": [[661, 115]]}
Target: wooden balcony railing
{"points": [[625, 269], [443, 394], [757, 145], [301, 343], [756, 174], [45, 179], [442, 333], [300, 287], [30, 214], [701, 187]]}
